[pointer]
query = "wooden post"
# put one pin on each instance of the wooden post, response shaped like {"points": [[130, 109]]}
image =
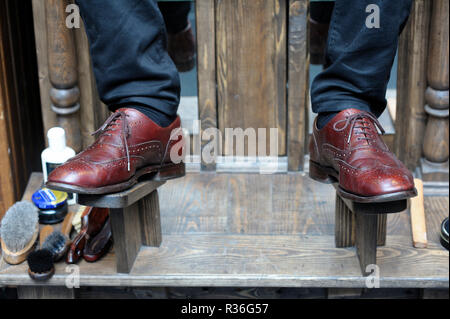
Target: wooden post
{"points": [[62, 68], [411, 85], [298, 81], [434, 165]]}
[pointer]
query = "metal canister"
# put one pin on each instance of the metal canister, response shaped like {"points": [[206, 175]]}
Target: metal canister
{"points": [[52, 205]]}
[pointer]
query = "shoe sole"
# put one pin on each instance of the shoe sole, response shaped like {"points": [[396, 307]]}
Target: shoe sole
{"points": [[328, 175], [152, 173]]}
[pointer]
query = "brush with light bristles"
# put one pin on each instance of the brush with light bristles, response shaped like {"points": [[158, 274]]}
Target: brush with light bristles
{"points": [[19, 231]]}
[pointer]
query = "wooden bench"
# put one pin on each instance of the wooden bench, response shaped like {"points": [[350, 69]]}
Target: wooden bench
{"points": [[135, 220], [364, 226]]}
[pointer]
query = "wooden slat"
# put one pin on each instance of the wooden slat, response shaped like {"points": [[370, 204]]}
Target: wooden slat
{"points": [[211, 260], [411, 85], [298, 81], [190, 205], [251, 66], [206, 68], [293, 246], [121, 199]]}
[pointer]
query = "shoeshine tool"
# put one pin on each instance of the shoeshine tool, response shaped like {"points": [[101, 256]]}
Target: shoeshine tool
{"points": [[19, 231]]}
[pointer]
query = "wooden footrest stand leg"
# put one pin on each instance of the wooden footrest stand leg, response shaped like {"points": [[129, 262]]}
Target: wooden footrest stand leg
{"points": [[134, 226], [365, 231], [150, 220], [366, 240]]}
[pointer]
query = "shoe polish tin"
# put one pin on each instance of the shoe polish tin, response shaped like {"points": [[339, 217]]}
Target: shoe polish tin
{"points": [[52, 205]]}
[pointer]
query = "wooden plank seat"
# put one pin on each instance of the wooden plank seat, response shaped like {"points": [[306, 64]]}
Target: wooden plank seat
{"points": [[135, 220], [363, 225]]}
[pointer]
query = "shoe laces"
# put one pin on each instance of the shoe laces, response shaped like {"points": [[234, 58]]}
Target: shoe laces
{"points": [[352, 120], [125, 130]]}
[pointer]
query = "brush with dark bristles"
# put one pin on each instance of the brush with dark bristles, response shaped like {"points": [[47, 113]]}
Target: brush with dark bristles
{"points": [[40, 263], [55, 245]]}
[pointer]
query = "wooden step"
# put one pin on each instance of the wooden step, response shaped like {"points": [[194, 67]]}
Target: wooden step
{"points": [[260, 231], [218, 260]]}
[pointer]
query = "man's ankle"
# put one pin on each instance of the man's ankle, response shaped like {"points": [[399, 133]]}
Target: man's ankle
{"points": [[324, 118], [156, 116]]}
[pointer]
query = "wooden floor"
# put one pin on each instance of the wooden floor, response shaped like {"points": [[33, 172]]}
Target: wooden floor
{"points": [[225, 230]]}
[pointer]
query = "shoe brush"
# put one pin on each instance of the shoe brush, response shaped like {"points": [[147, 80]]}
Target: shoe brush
{"points": [[58, 242], [54, 245], [19, 231], [40, 265]]}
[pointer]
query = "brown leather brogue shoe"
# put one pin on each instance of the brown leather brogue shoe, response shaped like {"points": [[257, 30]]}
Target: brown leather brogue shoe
{"points": [[181, 48], [129, 146], [349, 150]]}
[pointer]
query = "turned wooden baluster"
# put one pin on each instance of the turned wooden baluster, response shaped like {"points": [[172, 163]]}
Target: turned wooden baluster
{"points": [[435, 148], [62, 67]]}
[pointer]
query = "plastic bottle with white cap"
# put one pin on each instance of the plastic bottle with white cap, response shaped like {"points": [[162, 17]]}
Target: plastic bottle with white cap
{"points": [[56, 154]]}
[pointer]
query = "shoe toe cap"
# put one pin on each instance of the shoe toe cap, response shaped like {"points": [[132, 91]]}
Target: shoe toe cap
{"points": [[387, 181], [71, 173]]}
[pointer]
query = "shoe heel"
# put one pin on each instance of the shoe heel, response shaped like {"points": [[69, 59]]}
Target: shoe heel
{"points": [[171, 172], [318, 174]]}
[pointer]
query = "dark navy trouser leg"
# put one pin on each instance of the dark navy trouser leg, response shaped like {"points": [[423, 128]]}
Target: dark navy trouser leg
{"points": [[128, 49], [359, 59]]}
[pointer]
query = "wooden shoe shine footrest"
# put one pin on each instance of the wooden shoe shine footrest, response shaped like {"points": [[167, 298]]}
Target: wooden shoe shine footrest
{"points": [[135, 220]]}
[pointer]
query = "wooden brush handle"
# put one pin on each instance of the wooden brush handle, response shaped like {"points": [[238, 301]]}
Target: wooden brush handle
{"points": [[66, 226], [17, 257], [44, 233]]}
